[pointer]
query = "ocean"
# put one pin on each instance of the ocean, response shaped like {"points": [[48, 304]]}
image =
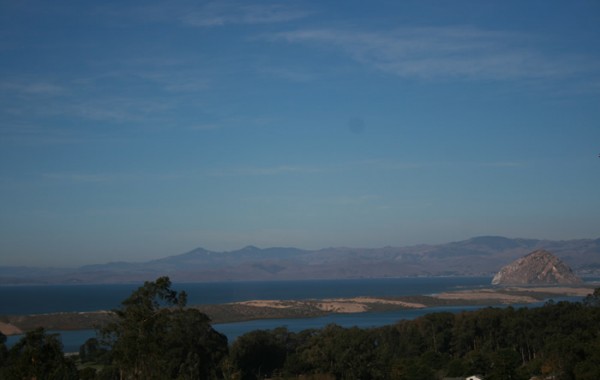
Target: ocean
{"points": [[63, 298]]}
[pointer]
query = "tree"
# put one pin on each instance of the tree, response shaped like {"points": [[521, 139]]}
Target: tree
{"points": [[505, 365], [156, 337], [3, 350], [38, 355], [257, 354], [593, 299], [343, 353], [93, 351], [411, 369]]}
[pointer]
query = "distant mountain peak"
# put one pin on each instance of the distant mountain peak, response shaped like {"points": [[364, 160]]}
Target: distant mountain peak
{"points": [[478, 256], [493, 242], [198, 251], [538, 267]]}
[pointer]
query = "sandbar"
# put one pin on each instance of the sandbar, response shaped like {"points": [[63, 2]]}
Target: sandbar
{"points": [[280, 309]]}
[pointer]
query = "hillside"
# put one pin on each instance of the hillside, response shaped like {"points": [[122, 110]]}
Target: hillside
{"points": [[479, 256]]}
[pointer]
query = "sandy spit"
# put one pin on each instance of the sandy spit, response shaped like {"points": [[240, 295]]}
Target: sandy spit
{"points": [[472, 295], [502, 296], [560, 290], [384, 301], [336, 305], [8, 329]]}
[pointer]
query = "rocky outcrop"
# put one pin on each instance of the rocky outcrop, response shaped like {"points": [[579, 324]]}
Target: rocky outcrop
{"points": [[537, 268]]}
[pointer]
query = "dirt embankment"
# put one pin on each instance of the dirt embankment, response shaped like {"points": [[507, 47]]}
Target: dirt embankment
{"points": [[17, 324]]}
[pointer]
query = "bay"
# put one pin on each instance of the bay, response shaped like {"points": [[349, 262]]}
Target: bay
{"points": [[72, 340], [62, 298], [39, 299]]}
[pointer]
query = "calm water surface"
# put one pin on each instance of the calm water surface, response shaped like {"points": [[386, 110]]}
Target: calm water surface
{"points": [[72, 340], [47, 299], [37, 299]]}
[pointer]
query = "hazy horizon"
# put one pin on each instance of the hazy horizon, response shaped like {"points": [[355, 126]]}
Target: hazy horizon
{"points": [[132, 131], [166, 255]]}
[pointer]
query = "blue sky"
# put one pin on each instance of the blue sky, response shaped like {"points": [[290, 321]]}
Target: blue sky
{"points": [[132, 130]]}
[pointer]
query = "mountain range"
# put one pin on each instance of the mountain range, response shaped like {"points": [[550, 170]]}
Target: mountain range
{"points": [[478, 256]]}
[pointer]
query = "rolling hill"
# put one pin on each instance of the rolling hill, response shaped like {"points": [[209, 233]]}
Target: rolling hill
{"points": [[478, 256]]}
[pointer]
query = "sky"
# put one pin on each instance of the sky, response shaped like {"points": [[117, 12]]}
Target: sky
{"points": [[134, 130]]}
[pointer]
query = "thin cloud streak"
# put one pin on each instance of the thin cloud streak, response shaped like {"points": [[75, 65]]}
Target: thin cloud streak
{"points": [[98, 178], [355, 200], [32, 88], [501, 164], [371, 165], [267, 171], [225, 12], [288, 73], [444, 52], [27, 134], [380, 165], [118, 110], [390, 165], [81, 177], [208, 14]]}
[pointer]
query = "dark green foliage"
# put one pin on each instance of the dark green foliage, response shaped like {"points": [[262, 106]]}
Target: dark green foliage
{"points": [[257, 354], [558, 340], [38, 355], [593, 299], [505, 363], [156, 337], [345, 353], [411, 369], [3, 349], [93, 351], [88, 373]]}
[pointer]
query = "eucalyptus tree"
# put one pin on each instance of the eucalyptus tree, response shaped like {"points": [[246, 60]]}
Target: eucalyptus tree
{"points": [[38, 355], [3, 350], [156, 337]]}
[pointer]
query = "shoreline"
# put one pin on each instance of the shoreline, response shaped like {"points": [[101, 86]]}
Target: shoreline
{"points": [[310, 308]]}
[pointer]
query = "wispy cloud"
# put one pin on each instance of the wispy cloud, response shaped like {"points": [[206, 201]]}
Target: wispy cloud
{"points": [[78, 98], [443, 52], [32, 88], [81, 177], [391, 165], [501, 164], [354, 200], [204, 14], [219, 13], [267, 171], [175, 77], [204, 127], [288, 73], [383, 165], [31, 134], [116, 109], [99, 178]]}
